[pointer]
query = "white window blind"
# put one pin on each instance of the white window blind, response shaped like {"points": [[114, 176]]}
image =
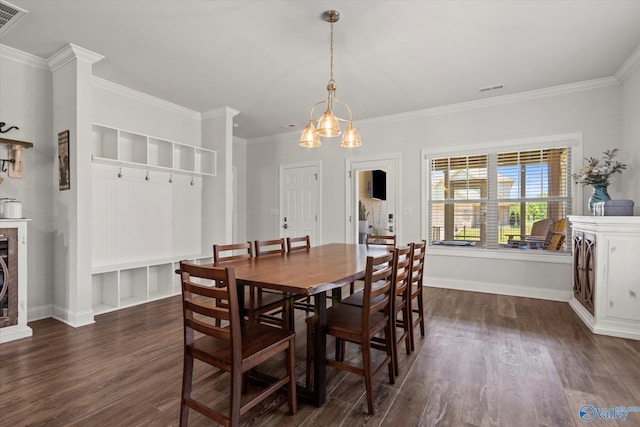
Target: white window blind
{"points": [[478, 200]]}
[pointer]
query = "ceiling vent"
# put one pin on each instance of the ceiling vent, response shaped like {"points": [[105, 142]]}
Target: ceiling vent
{"points": [[9, 15], [490, 88]]}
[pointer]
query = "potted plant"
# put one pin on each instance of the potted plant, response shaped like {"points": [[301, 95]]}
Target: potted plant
{"points": [[362, 218]]}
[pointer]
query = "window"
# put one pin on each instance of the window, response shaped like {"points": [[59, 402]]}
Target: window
{"points": [[479, 199]]}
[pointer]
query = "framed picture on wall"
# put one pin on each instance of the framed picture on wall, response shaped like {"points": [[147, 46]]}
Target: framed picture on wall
{"points": [[63, 160]]}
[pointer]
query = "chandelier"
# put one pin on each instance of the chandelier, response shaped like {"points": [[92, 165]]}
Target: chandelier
{"points": [[328, 124]]}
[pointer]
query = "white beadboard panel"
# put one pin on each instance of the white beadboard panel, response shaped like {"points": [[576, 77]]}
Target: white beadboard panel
{"points": [[137, 219], [187, 215]]}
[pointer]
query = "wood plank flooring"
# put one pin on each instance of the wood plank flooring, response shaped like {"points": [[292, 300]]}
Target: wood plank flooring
{"points": [[486, 360]]}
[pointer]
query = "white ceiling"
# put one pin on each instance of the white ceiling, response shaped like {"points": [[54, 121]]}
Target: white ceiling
{"points": [[270, 59]]}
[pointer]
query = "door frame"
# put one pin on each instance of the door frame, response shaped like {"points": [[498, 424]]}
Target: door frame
{"points": [[318, 165], [352, 166]]}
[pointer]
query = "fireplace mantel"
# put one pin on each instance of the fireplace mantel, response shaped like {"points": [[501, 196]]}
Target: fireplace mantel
{"points": [[21, 330]]}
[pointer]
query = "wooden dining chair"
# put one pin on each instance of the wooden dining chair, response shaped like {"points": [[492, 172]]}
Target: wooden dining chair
{"points": [[415, 285], [373, 239], [295, 244], [359, 325], [235, 348], [298, 243], [399, 305], [269, 247], [275, 247], [270, 308]]}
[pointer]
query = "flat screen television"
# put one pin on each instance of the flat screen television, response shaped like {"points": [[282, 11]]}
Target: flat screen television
{"points": [[379, 185]]}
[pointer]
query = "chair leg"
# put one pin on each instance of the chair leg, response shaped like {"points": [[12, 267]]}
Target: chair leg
{"points": [[366, 365], [234, 405], [187, 375], [406, 315], [390, 344], [421, 313], [394, 346], [340, 349]]}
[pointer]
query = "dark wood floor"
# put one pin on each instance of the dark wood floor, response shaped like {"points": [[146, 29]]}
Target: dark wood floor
{"points": [[486, 360]]}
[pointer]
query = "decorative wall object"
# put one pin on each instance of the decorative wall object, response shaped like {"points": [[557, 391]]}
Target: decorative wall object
{"points": [[63, 160]]}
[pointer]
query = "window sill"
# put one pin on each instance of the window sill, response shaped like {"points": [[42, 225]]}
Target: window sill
{"points": [[513, 254]]}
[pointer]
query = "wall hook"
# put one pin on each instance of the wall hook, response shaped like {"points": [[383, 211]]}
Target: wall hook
{"points": [[119, 172], [146, 177], [3, 166], [171, 179], [192, 181]]}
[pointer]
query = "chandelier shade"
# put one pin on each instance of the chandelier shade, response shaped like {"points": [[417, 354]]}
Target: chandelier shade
{"points": [[328, 125]]}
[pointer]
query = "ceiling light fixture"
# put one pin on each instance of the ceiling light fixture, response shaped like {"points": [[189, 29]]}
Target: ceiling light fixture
{"points": [[328, 125]]}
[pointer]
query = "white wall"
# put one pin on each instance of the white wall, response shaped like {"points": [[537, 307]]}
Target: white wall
{"points": [[594, 112], [123, 108], [627, 183], [26, 101]]}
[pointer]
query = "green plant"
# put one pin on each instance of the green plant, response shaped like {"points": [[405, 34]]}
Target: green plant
{"points": [[362, 211]]}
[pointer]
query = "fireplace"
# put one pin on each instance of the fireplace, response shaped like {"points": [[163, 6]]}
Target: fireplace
{"points": [[8, 277], [13, 280]]}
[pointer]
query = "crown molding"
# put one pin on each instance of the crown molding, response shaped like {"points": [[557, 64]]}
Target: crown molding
{"points": [[143, 97], [472, 105], [68, 53], [23, 57], [218, 112], [628, 65], [492, 102]]}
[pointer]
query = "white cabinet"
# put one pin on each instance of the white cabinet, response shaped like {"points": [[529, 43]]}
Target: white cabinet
{"points": [[117, 146], [607, 274]]}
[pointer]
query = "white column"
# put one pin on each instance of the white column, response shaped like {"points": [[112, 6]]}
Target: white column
{"points": [[72, 92], [217, 194]]}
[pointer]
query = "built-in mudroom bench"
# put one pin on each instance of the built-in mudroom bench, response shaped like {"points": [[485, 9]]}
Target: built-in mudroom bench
{"points": [[606, 274]]}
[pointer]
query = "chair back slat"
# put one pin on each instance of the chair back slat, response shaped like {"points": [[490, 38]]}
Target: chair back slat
{"points": [[402, 268], [378, 287], [379, 240], [417, 269], [209, 329], [237, 251], [298, 243], [201, 312], [269, 247]]}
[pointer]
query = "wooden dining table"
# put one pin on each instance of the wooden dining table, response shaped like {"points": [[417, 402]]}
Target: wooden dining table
{"points": [[311, 273]]}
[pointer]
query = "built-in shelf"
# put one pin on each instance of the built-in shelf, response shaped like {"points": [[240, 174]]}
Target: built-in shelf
{"points": [[125, 148], [16, 142]]}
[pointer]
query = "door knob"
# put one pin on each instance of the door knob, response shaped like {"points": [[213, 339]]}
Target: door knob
{"points": [[285, 226]]}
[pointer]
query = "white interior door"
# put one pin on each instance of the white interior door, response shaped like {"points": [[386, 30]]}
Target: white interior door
{"points": [[361, 192], [300, 201]]}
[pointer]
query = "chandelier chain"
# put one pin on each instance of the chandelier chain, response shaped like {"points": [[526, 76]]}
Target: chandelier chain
{"points": [[331, 56]]}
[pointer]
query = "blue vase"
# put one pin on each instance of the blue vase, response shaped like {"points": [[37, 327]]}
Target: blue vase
{"points": [[599, 195]]}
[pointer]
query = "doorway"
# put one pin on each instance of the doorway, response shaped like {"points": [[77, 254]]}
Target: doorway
{"points": [[372, 197], [300, 197]]}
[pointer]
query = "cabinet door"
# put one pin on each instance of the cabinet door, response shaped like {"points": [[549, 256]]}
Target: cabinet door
{"points": [[584, 269], [623, 285]]}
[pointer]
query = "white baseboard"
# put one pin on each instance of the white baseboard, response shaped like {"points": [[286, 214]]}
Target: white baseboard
{"points": [[73, 319], [499, 289], [40, 312]]}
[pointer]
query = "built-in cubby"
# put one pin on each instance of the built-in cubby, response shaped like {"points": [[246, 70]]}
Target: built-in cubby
{"points": [[111, 145], [126, 285], [161, 280], [105, 291]]}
